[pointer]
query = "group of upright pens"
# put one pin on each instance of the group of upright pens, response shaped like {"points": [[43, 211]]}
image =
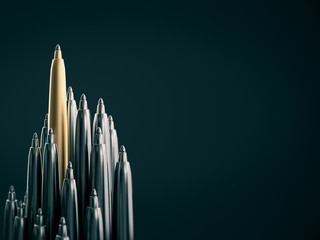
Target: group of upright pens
{"points": [[79, 184]]}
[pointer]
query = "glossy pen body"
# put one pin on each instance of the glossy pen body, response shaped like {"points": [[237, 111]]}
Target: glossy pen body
{"points": [[57, 119]]}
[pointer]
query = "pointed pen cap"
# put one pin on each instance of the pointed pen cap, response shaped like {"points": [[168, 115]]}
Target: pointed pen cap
{"points": [[25, 198], [62, 230], [11, 194], [20, 210], [83, 102], [93, 201], [57, 52], [123, 154], [45, 122], [111, 123], [98, 138], [100, 107], [70, 95], [39, 218], [50, 138], [35, 141], [69, 173]]}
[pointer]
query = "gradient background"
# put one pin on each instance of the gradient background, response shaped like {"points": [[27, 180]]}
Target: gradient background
{"points": [[216, 103]]}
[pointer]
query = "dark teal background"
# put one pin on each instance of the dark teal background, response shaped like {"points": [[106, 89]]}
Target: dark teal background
{"points": [[217, 104]]}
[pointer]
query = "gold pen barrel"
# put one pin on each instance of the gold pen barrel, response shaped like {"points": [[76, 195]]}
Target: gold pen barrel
{"points": [[57, 119]]}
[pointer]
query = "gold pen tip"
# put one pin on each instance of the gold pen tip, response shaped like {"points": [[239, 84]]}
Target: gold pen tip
{"points": [[58, 47]]}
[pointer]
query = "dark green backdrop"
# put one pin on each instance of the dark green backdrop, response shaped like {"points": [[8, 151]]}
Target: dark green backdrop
{"points": [[216, 103]]}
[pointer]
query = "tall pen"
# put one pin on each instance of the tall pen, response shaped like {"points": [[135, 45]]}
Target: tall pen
{"points": [[57, 119], [82, 158]]}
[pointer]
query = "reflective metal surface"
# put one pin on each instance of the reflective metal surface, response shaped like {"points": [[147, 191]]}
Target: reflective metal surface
{"points": [[20, 224], [50, 186], [25, 204], [62, 231], [10, 210], [67, 136], [114, 149], [94, 222], [100, 180], [34, 181], [72, 115], [39, 229], [122, 225], [69, 204], [82, 159], [101, 120], [44, 133]]}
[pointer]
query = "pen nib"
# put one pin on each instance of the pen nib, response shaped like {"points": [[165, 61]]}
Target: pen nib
{"points": [[58, 47]]}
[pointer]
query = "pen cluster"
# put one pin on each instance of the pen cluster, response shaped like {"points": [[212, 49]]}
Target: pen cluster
{"points": [[94, 200]]}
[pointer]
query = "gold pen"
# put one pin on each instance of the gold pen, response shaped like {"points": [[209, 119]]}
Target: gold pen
{"points": [[57, 119]]}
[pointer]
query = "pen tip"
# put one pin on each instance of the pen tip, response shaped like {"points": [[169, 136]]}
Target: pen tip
{"points": [[35, 136], [47, 116], [11, 189], [62, 221], [83, 97], [122, 149], [50, 131], [94, 192], [69, 89], [98, 131], [39, 211], [58, 47], [69, 165], [110, 118], [100, 101]]}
